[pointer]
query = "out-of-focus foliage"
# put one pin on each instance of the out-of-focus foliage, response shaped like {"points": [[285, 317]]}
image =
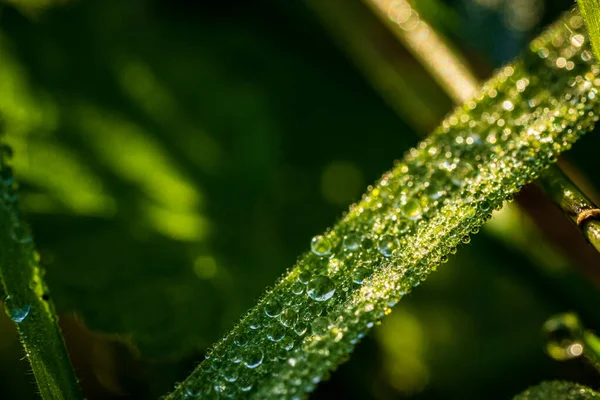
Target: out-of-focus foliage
{"points": [[558, 391], [120, 162], [34, 7]]}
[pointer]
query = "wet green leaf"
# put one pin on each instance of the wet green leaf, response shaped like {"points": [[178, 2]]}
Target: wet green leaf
{"points": [[26, 298], [409, 223]]}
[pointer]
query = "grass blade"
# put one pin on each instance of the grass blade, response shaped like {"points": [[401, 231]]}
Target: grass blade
{"points": [[27, 300], [408, 223]]}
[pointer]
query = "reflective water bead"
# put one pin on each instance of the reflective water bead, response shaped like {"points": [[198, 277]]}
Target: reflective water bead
{"points": [[360, 274], [254, 321], [16, 309], [411, 209], [287, 343], [300, 328], [403, 227], [321, 288], [312, 311], [289, 317], [351, 241], [434, 191], [242, 338], [304, 277], [230, 374], [244, 383], [193, 391], [253, 357], [387, 245], [275, 333], [272, 308], [320, 245], [462, 173], [297, 288]]}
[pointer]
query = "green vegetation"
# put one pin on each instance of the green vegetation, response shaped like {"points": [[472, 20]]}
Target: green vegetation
{"points": [[163, 191]]}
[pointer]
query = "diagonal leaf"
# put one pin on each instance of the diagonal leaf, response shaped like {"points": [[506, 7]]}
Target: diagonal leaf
{"points": [[557, 390], [409, 223], [27, 299], [590, 10]]}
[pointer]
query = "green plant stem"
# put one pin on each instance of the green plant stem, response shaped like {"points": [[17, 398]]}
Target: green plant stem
{"points": [[574, 203], [395, 81], [27, 302]]}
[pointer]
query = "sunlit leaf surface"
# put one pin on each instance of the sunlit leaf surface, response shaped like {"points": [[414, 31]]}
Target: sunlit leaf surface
{"points": [[409, 222]]}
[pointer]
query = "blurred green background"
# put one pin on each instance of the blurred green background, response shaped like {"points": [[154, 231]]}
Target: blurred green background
{"points": [[176, 156]]}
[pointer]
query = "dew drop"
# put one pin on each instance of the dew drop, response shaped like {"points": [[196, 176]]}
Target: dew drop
{"points": [[360, 274], [462, 173], [321, 288], [192, 391], [253, 357], [15, 309], [275, 333], [300, 328], [320, 245], [287, 343], [411, 209], [289, 317], [304, 277], [387, 245], [351, 242], [434, 191], [220, 388], [272, 309], [244, 383], [297, 288], [254, 321], [241, 339]]}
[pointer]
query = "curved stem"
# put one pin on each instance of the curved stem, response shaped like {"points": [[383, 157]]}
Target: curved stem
{"points": [[574, 203]]}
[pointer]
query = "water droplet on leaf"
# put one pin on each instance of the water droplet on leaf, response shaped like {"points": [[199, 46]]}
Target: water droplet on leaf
{"points": [[320, 245], [411, 209], [16, 309], [387, 245], [351, 241], [321, 288]]}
